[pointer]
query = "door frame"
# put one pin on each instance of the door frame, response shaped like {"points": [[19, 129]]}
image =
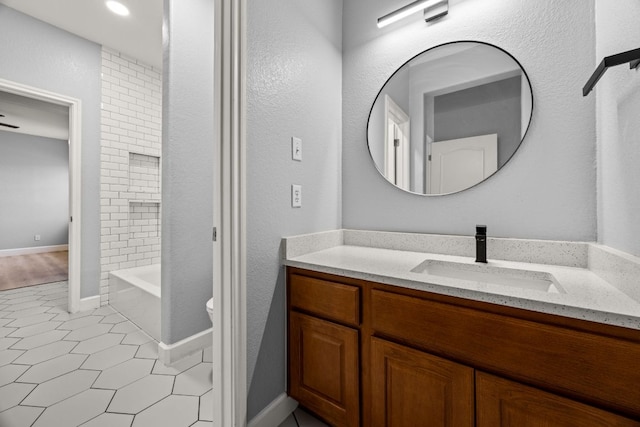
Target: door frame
{"points": [[75, 181], [229, 248], [394, 113]]}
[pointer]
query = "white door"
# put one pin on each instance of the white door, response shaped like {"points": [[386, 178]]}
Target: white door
{"points": [[457, 164]]}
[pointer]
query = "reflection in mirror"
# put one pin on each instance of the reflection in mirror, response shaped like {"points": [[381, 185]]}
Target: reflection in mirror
{"points": [[449, 118]]}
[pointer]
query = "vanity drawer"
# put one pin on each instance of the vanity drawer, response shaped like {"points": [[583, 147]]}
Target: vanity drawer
{"points": [[594, 368], [330, 300]]}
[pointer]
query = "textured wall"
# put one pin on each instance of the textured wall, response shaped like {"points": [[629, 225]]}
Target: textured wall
{"points": [[294, 89], [130, 165], [618, 110], [547, 190], [34, 191], [187, 168], [43, 56]]}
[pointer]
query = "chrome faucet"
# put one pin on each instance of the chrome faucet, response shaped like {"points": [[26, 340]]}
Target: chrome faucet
{"points": [[481, 243]]}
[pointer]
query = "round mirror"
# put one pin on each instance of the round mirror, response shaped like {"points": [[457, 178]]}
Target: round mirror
{"points": [[449, 118]]}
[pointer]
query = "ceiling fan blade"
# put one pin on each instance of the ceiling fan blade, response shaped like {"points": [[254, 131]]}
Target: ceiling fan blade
{"points": [[9, 126]]}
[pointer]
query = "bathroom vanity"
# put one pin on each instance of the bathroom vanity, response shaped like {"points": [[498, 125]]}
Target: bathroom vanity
{"points": [[369, 348]]}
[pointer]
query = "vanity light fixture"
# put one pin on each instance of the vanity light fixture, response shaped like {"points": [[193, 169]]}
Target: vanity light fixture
{"points": [[117, 8], [433, 9]]}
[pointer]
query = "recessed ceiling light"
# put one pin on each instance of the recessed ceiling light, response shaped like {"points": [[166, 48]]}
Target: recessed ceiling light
{"points": [[118, 8]]}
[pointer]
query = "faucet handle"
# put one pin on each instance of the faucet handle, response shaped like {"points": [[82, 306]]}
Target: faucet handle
{"points": [[481, 229]]}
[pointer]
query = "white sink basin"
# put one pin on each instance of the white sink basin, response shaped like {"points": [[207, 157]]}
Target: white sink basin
{"points": [[487, 274]]}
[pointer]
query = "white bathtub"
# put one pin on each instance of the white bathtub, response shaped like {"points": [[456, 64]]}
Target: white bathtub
{"points": [[135, 292]]}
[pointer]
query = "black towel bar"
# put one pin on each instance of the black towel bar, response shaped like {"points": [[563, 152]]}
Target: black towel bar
{"points": [[630, 56]]}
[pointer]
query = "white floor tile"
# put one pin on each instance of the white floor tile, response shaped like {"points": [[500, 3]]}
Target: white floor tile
{"points": [[35, 329], [148, 351], [114, 318], [53, 368], [141, 394], [174, 411], [60, 388], [307, 420], [99, 343], [75, 410], [112, 356], [23, 305], [124, 328], [21, 299], [12, 394], [206, 406], [195, 381], [289, 422], [81, 322], [20, 416], [6, 342], [136, 338], [85, 364], [104, 311], [125, 373], [26, 313], [178, 367], [9, 373], [110, 420], [39, 340], [8, 356], [30, 320], [46, 352], [87, 332]]}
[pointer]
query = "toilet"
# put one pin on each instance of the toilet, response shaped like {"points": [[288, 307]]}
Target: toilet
{"points": [[210, 309]]}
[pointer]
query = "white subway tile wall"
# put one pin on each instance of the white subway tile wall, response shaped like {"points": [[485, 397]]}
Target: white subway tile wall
{"points": [[144, 173], [130, 175]]}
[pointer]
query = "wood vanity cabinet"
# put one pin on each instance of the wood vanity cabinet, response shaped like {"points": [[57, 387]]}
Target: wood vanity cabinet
{"points": [[413, 388], [363, 353], [503, 403], [324, 343]]}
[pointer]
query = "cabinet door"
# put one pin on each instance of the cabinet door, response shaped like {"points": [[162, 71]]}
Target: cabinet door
{"points": [[503, 403], [324, 368], [410, 388]]}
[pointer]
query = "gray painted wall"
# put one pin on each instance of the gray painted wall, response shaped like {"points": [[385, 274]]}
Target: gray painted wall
{"points": [[482, 110], [34, 190], [547, 190], [187, 175], [618, 106], [40, 55], [294, 89]]}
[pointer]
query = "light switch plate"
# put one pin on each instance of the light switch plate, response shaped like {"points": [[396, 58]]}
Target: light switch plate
{"points": [[296, 149], [296, 196]]}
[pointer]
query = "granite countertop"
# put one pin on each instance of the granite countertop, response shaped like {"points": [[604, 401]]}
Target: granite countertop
{"points": [[584, 294]]}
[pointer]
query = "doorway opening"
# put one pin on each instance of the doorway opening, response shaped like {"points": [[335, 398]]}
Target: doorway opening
{"points": [[46, 262]]}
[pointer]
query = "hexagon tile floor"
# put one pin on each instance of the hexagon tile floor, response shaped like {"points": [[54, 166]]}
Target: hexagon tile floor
{"points": [[91, 369]]}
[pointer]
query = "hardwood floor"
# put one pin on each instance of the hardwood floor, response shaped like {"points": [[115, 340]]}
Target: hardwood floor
{"points": [[34, 269]]}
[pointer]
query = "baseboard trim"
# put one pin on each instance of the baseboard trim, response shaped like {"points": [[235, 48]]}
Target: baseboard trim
{"points": [[35, 250], [275, 413], [89, 303], [171, 353]]}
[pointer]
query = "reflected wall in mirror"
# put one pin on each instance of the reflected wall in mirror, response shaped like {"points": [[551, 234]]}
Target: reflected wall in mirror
{"points": [[449, 118]]}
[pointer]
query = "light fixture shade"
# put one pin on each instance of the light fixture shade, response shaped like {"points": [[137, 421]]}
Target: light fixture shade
{"points": [[117, 8], [433, 9]]}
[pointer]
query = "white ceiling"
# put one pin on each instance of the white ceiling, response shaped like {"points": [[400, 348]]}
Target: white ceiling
{"points": [[138, 35], [34, 117]]}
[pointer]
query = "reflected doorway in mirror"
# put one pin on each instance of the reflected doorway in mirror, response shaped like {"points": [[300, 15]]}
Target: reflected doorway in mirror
{"points": [[397, 137]]}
